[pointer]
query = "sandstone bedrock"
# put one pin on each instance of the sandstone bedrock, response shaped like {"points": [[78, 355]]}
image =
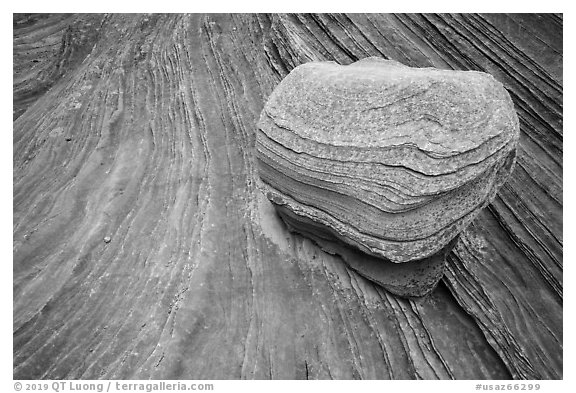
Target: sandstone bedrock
{"points": [[390, 160]]}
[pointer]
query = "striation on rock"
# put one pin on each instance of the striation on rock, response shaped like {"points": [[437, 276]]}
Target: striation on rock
{"points": [[193, 285], [392, 160]]}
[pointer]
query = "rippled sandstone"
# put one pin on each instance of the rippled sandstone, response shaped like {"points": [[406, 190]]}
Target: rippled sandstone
{"points": [[148, 140], [390, 160]]}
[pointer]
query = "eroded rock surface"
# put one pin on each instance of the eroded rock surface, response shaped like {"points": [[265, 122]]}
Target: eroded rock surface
{"points": [[160, 117], [392, 160]]}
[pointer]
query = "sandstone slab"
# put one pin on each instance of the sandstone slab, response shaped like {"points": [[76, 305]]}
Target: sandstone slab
{"points": [[192, 285]]}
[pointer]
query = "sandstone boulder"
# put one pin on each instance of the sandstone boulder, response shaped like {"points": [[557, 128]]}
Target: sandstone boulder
{"points": [[390, 160]]}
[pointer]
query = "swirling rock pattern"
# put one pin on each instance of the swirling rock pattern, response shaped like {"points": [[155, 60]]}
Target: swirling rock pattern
{"points": [[148, 141], [393, 160]]}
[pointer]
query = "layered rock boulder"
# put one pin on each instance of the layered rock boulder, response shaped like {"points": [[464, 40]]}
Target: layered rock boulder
{"points": [[385, 164]]}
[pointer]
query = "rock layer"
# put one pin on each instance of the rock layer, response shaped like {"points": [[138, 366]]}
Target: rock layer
{"points": [[414, 279], [191, 285], [392, 160]]}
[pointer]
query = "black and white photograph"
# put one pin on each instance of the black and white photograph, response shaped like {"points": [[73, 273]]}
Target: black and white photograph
{"points": [[201, 197]]}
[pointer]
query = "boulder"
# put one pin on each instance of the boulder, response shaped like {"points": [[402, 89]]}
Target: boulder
{"points": [[386, 159]]}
